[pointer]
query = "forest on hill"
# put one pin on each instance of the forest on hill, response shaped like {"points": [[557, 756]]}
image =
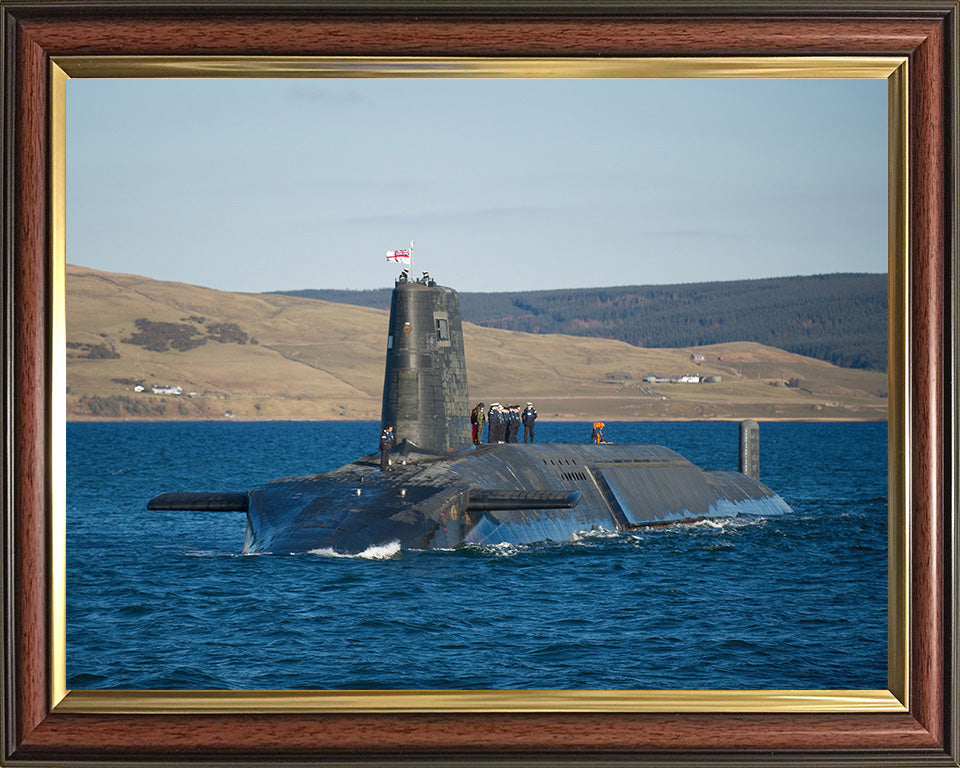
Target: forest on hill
{"points": [[839, 318]]}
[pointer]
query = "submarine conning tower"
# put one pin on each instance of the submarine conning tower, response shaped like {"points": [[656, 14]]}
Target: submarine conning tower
{"points": [[425, 376]]}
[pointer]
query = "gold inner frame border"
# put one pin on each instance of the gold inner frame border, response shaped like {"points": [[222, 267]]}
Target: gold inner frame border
{"points": [[893, 700]]}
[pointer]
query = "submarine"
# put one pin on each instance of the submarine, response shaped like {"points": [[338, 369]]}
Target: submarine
{"points": [[440, 491]]}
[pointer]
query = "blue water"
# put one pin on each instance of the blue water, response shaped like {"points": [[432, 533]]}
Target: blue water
{"points": [[165, 600]]}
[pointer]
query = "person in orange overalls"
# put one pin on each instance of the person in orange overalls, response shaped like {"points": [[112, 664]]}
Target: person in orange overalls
{"points": [[597, 434]]}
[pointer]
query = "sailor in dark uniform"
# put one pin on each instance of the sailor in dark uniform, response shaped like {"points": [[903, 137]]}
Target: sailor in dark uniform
{"points": [[495, 421], [529, 417], [513, 423], [387, 440]]}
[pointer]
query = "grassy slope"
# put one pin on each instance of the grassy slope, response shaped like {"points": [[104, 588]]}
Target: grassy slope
{"points": [[318, 360]]}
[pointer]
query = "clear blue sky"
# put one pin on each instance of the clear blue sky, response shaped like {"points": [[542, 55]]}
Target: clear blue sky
{"points": [[257, 185]]}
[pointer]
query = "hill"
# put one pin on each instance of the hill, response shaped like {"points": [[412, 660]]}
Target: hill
{"points": [[268, 356], [840, 318]]}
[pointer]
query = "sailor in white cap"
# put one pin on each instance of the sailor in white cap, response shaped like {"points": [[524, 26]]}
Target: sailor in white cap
{"points": [[529, 417]]}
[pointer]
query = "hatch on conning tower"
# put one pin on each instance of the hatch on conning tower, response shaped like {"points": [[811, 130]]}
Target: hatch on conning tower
{"points": [[425, 377]]}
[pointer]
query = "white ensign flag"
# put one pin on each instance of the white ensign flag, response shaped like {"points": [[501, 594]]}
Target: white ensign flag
{"points": [[400, 257]]}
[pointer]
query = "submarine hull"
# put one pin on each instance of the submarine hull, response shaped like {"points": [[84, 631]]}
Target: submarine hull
{"points": [[496, 494], [442, 493]]}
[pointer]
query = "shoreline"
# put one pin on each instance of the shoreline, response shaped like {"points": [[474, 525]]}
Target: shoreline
{"points": [[733, 420]]}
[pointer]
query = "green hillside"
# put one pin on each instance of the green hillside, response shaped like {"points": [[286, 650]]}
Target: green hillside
{"points": [[839, 318]]}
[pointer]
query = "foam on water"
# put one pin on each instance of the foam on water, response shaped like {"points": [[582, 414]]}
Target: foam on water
{"points": [[724, 524], [503, 549], [594, 534], [580, 538], [377, 552], [718, 524]]}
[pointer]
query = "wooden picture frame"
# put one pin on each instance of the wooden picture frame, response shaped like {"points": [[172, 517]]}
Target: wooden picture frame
{"points": [[39, 728]]}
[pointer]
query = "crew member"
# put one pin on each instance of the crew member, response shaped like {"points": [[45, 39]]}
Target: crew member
{"points": [[529, 417], [387, 440], [477, 417], [513, 423], [597, 434], [503, 430], [495, 422], [404, 276]]}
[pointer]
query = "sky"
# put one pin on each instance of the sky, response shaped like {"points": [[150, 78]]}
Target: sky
{"points": [[503, 184]]}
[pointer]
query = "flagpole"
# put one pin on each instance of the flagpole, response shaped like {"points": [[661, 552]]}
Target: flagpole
{"points": [[412, 272]]}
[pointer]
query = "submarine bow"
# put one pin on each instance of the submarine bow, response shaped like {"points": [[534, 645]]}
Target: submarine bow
{"points": [[442, 492]]}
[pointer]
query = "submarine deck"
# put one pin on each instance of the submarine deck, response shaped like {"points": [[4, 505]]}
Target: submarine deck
{"points": [[530, 492]]}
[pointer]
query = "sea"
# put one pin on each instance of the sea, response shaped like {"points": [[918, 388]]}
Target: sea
{"points": [[166, 600]]}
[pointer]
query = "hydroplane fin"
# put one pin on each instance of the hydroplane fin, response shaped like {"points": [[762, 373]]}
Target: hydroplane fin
{"points": [[220, 501]]}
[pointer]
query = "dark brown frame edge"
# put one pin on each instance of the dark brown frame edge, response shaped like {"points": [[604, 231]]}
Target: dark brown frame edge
{"points": [[925, 32]]}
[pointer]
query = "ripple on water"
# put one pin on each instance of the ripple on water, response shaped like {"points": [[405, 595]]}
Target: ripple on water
{"points": [[169, 601]]}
